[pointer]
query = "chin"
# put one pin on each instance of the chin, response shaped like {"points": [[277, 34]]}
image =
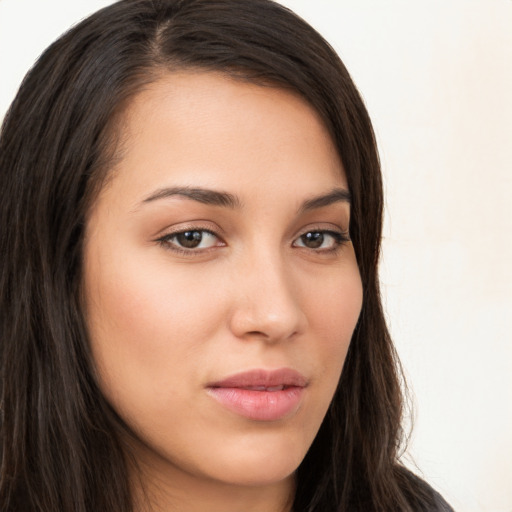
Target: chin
{"points": [[259, 461], [260, 473]]}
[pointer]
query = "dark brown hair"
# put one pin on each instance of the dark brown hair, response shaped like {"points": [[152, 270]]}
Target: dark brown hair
{"points": [[60, 440]]}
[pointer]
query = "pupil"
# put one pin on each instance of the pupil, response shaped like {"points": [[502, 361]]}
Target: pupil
{"points": [[190, 239], [313, 240]]}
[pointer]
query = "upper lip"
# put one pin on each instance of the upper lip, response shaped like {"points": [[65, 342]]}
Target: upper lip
{"points": [[262, 378]]}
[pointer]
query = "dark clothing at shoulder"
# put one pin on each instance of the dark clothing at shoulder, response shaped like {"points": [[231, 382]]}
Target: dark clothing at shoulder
{"points": [[439, 504]]}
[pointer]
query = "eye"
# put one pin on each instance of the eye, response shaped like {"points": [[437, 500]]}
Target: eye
{"points": [[190, 239], [322, 240]]}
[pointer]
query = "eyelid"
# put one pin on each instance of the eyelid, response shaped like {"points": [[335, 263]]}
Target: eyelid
{"points": [[164, 239], [325, 228], [341, 237]]}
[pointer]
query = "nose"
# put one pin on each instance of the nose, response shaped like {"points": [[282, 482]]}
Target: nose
{"points": [[267, 304]]}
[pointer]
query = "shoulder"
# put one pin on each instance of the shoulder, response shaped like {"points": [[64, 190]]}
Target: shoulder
{"points": [[440, 503], [432, 501]]}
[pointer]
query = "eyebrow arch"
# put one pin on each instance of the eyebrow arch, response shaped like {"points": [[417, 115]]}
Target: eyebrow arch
{"points": [[202, 195], [225, 199], [334, 196]]}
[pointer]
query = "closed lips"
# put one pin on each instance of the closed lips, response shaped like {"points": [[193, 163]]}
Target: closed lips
{"points": [[263, 380], [263, 388], [261, 395]]}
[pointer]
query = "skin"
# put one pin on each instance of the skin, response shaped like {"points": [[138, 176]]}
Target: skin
{"points": [[255, 294]]}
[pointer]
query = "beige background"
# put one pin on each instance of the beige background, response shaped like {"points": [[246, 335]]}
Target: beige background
{"points": [[437, 80]]}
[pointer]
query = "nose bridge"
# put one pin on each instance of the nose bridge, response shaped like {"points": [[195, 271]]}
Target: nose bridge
{"points": [[267, 304]]}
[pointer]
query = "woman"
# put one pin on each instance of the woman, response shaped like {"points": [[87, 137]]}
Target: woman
{"points": [[191, 215]]}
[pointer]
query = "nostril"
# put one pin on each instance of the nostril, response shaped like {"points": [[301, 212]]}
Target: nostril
{"points": [[256, 333]]}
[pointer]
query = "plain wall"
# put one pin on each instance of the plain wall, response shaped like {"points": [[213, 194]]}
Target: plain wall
{"points": [[437, 80]]}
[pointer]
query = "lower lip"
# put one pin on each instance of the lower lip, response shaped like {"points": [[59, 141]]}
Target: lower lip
{"points": [[259, 405]]}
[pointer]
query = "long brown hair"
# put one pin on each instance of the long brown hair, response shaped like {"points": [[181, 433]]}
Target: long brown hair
{"points": [[60, 443]]}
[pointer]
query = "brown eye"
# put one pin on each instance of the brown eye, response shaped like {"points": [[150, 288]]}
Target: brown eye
{"points": [[189, 239], [323, 240], [313, 240]]}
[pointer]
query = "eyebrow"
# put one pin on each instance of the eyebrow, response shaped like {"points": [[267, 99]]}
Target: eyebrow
{"points": [[202, 195], [334, 196], [225, 199]]}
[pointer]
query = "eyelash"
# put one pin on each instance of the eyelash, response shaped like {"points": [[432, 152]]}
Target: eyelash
{"points": [[166, 241], [339, 239]]}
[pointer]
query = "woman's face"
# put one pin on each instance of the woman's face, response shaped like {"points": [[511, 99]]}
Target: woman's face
{"points": [[221, 288]]}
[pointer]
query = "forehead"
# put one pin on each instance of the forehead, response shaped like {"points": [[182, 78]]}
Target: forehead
{"points": [[209, 128]]}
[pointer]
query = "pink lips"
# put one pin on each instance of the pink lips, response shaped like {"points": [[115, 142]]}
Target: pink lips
{"points": [[260, 394]]}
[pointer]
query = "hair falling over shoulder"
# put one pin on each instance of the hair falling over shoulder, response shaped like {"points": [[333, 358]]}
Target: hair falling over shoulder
{"points": [[60, 439]]}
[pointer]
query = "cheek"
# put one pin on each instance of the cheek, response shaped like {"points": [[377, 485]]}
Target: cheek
{"points": [[146, 328], [334, 310], [337, 313]]}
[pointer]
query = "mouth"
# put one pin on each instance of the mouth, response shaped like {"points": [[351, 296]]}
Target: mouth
{"points": [[261, 395], [264, 388]]}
